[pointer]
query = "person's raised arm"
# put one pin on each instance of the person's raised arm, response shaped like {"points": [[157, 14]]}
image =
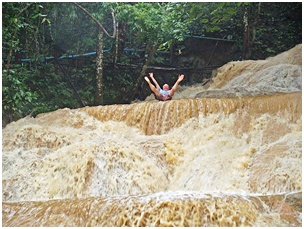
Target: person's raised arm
{"points": [[174, 88], [154, 81]]}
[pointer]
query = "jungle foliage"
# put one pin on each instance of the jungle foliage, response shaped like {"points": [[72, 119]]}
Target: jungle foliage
{"points": [[32, 83]]}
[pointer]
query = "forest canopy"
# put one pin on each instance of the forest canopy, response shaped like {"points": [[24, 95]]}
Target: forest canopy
{"points": [[57, 55]]}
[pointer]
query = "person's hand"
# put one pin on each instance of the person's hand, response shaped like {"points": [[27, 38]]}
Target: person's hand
{"points": [[180, 78], [147, 79], [151, 74]]}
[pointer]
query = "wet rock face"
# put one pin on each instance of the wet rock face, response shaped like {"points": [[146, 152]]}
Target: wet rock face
{"points": [[160, 118], [279, 74], [161, 209]]}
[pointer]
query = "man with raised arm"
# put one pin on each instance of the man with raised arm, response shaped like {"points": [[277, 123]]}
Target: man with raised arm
{"points": [[165, 93]]}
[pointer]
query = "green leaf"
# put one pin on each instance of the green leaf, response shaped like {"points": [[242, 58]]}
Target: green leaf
{"points": [[205, 20], [230, 11], [43, 20]]}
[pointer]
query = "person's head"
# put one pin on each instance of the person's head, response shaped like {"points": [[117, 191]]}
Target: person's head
{"points": [[166, 87]]}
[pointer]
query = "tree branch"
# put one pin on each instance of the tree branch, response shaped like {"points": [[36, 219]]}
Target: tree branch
{"points": [[98, 23], [24, 9]]}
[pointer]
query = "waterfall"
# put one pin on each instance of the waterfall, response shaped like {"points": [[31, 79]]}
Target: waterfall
{"points": [[193, 161]]}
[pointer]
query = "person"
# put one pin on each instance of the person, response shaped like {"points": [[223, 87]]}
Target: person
{"points": [[165, 93]]}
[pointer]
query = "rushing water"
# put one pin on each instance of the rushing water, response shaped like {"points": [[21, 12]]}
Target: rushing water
{"points": [[194, 161]]}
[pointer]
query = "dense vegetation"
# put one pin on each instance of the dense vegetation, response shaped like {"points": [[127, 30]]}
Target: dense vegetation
{"points": [[122, 42]]}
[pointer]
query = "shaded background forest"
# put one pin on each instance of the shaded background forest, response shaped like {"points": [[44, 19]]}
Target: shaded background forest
{"points": [[57, 55]]}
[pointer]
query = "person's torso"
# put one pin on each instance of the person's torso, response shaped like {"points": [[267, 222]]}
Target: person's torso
{"points": [[164, 94]]}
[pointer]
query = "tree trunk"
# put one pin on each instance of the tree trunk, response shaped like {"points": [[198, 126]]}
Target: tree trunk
{"points": [[99, 69], [250, 20], [99, 59], [116, 48], [246, 43], [256, 13], [150, 51]]}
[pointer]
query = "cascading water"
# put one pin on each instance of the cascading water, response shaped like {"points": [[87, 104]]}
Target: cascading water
{"points": [[192, 161]]}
